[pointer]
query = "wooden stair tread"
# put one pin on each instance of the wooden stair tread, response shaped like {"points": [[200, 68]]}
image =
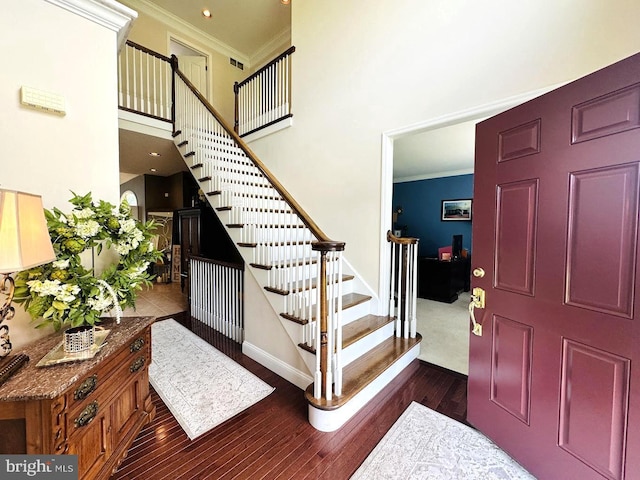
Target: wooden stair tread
{"points": [[288, 264], [307, 286], [349, 300], [360, 328], [273, 244], [364, 370], [356, 330], [241, 225]]}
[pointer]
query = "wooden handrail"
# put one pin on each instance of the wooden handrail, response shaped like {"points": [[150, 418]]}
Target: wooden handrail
{"points": [[237, 266], [284, 54], [148, 51], [304, 217], [328, 246], [401, 240]]}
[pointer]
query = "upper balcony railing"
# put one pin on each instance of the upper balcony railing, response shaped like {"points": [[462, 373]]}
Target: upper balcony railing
{"points": [[145, 86], [264, 98], [145, 82]]}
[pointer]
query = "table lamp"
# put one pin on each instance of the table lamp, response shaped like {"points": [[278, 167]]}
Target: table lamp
{"points": [[24, 243]]}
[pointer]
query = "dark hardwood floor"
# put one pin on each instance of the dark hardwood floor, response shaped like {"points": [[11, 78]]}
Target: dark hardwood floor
{"points": [[274, 440]]}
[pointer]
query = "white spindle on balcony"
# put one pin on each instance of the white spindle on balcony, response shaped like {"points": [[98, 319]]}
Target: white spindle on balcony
{"points": [[144, 82], [263, 98]]}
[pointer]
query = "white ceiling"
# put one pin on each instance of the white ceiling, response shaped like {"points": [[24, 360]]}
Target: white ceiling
{"points": [[435, 153], [135, 159], [246, 26]]}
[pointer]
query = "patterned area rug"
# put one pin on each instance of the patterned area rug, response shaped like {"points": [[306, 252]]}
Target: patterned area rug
{"points": [[424, 444], [200, 385]]}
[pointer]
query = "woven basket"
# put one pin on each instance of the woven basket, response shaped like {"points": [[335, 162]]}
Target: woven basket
{"points": [[79, 339]]}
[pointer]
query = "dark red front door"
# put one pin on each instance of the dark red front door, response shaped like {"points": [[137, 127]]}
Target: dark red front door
{"points": [[555, 377]]}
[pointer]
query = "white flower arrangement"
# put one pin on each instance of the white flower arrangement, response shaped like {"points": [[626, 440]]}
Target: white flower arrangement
{"points": [[64, 292]]}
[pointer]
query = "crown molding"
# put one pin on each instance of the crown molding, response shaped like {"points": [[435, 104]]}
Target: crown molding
{"points": [[282, 39], [429, 176], [108, 13], [185, 28]]}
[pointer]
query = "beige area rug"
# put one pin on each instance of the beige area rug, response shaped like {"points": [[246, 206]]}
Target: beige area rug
{"points": [[445, 332], [201, 386], [424, 444]]}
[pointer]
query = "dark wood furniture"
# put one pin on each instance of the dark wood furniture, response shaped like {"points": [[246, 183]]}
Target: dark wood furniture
{"points": [[443, 280], [200, 233], [93, 408]]}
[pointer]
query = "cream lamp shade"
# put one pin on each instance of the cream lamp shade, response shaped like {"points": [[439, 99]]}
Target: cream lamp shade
{"points": [[24, 237]]}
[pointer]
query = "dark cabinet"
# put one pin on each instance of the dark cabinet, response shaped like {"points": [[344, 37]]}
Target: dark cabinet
{"points": [[200, 233], [192, 238], [443, 280]]}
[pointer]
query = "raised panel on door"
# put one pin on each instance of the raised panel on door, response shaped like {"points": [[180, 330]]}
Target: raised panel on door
{"points": [[594, 381]]}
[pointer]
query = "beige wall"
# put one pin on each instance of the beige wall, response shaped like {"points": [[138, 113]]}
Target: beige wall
{"points": [[51, 49], [154, 34], [263, 328], [363, 68]]}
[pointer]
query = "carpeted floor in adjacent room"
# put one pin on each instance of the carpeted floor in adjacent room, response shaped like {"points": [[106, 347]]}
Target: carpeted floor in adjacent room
{"points": [[445, 333]]}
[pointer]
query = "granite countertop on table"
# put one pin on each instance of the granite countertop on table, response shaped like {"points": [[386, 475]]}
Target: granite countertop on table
{"points": [[36, 383]]}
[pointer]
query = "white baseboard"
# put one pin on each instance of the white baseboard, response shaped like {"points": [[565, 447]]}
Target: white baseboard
{"points": [[286, 371]]}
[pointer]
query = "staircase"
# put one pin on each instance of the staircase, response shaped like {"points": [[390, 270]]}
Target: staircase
{"points": [[322, 303]]}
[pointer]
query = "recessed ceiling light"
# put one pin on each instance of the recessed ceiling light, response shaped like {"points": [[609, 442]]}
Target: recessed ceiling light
{"points": [[154, 154], [206, 13], [285, 2], [153, 170]]}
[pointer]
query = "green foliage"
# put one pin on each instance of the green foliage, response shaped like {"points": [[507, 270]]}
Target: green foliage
{"points": [[65, 292]]}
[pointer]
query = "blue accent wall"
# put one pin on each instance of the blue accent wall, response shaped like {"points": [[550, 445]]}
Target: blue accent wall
{"points": [[421, 202]]}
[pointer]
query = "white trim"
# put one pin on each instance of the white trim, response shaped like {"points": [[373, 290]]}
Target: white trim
{"points": [[176, 23], [143, 124], [263, 132], [386, 199], [261, 56], [448, 173], [108, 13], [300, 379], [386, 193], [172, 36]]}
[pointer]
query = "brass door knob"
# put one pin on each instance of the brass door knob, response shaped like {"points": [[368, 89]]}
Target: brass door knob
{"points": [[478, 272]]}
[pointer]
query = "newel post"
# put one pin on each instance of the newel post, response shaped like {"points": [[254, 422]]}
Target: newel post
{"points": [[236, 123], [326, 342], [174, 67]]}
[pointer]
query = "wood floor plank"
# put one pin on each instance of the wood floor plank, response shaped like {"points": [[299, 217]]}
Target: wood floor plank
{"points": [[274, 440]]}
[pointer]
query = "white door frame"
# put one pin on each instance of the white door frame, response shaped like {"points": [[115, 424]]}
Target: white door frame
{"points": [[386, 187], [173, 38]]}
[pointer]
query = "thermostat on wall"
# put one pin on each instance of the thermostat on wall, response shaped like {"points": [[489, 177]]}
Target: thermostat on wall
{"points": [[41, 100]]}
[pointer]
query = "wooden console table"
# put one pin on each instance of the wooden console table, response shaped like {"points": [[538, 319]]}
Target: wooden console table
{"points": [[92, 408], [443, 280]]}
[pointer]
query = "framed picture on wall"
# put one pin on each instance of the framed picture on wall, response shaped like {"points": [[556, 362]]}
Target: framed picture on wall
{"points": [[456, 210]]}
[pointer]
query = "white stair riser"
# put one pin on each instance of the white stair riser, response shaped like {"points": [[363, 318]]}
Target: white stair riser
{"points": [[331, 420], [357, 311], [362, 346]]}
